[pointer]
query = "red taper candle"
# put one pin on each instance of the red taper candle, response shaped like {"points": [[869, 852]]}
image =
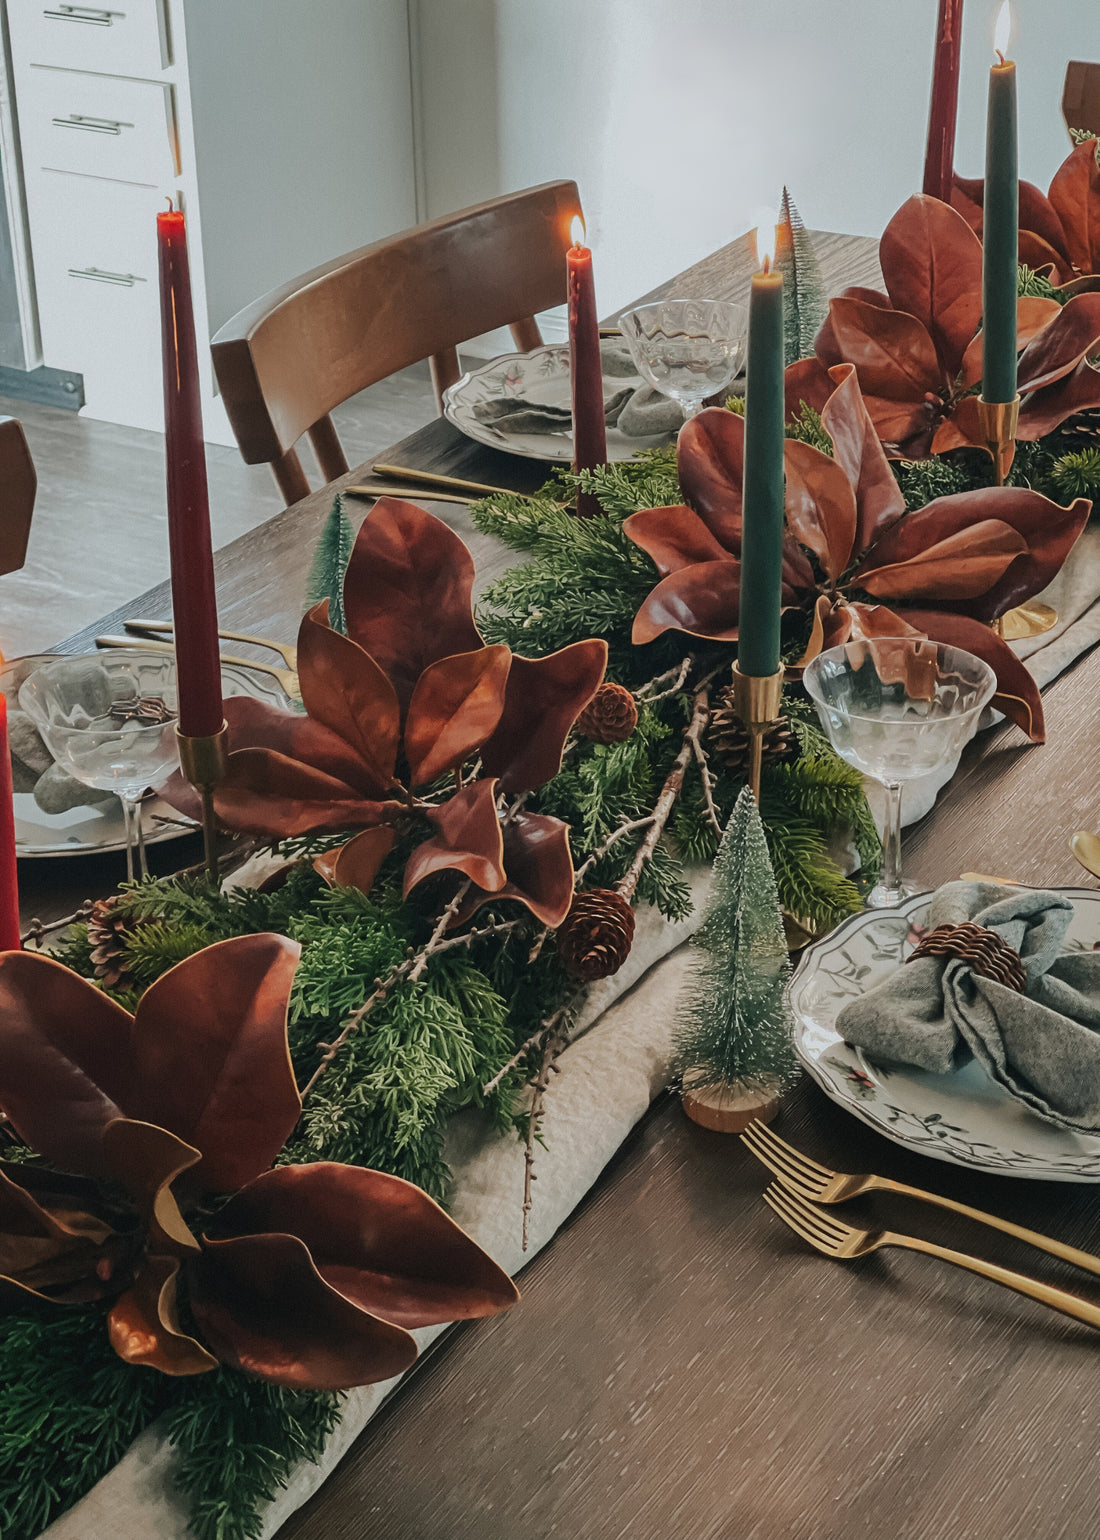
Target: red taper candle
{"points": [[9, 885], [939, 157], [194, 604], [589, 427]]}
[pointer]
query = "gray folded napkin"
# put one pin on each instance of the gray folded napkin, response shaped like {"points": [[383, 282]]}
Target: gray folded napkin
{"points": [[636, 412], [1042, 1046]]}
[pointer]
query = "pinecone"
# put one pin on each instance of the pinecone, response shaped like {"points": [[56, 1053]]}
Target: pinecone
{"points": [[728, 738], [610, 716], [595, 936], [1082, 431], [107, 932]]}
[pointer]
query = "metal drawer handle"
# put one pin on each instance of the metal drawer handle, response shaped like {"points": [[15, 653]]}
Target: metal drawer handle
{"points": [[98, 275], [91, 125], [85, 14]]}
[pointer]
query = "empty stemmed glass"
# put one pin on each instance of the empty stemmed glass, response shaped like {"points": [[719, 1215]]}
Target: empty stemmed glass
{"points": [[688, 349], [109, 720], [898, 707]]}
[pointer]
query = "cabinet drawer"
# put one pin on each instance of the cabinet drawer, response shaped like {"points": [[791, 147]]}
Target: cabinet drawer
{"points": [[120, 37], [98, 125]]}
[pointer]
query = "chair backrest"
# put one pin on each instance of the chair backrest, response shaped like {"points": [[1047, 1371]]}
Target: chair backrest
{"points": [[285, 361], [18, 485]]}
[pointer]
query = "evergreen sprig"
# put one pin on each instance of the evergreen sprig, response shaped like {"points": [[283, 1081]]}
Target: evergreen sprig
{"points": [[330, 562]]}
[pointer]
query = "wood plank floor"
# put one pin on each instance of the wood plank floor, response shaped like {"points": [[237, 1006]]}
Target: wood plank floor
{"points": [[100, 532]]}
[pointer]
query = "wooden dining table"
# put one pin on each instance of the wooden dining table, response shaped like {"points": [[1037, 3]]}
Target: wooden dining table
{"points": [[681, 1367]]}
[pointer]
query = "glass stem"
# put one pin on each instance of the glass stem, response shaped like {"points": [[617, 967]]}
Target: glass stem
{"points": [[129, 809], [690, 409], [891, 838], [139, 820]]}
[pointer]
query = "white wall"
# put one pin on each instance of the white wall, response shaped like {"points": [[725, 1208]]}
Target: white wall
{"points": [[680, 118]]}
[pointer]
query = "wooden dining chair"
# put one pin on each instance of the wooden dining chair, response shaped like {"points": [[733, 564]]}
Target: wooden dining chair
{"points": [[18, 486], [1081, 96], [285, 361]]}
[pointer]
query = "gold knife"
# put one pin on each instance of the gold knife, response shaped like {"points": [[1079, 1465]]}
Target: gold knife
{"points": [[436, 479]]}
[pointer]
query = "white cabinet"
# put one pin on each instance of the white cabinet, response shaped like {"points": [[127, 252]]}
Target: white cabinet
{"points": [[283, 129]]}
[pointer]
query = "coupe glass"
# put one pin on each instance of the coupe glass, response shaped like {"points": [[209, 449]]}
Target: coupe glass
{"points": [[897, 708], [110, 720], [687, 349]]}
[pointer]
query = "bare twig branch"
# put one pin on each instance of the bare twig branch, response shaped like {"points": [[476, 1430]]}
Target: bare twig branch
{"points": [[708, 785], [677, 674], [420, 962], [670, 792], [556, 1036], [36, 932]]}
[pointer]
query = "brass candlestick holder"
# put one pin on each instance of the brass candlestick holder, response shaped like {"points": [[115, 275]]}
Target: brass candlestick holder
{"points": [[999, 420], [203, 761], [757, 699]]}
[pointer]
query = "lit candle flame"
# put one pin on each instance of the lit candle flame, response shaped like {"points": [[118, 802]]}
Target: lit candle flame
{"points": [[577, 231], [764, 235], [1002, 31]]}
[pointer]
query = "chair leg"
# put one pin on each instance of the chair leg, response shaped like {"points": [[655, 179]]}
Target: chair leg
{"points": [[446, 369], [290, 476], [328, 449], [526, 334]]}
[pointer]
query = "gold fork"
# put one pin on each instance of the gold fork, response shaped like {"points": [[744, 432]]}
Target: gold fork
{"points": [[286, 651], [804, 1176], [834, 1239], [287, 677]]}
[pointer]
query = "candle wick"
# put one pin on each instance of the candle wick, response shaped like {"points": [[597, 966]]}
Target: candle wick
{"points": [[1000, 57], [171, 205], [767, 263]]}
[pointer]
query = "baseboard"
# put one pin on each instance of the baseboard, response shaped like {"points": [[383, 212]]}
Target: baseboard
{"points": [[45, 387]]}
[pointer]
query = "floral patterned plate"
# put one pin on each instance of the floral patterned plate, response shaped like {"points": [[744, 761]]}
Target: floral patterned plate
{"points": [[542, 378], [964, 1117]]}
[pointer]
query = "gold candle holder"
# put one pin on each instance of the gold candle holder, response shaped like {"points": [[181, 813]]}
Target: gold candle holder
{"points": [[203, 761], [999, 421], [757, 699]]}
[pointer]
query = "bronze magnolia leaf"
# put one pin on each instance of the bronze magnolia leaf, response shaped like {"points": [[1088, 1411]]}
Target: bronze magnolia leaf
{"points": [[932, 265], [856, 447], [543, 698], [1042, 238], [457, 703], [1017, 693], [143, 1326], [960, 566], [144, 1161], [378, 1240], [263, 792], [674, 537], [820, 506], [703, 600], [1060, 347], [1075, 198], [58, 1239], [210, 1056], [1048, 409], [263, 1308], [407, 592], [254, 724], [893, 353], [539, 864], [356, 864], [468, 840], [710, 460], [344, 689]]}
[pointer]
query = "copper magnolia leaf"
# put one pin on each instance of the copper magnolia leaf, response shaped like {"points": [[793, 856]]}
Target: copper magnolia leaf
{"points": [[267, 793], [1075, 197], [456, 705], [544, 697], [54, 1244], [1032, 316], [710, 459], [344, 689], [539, 864], [820, 505], [805, 382], [356, 864], [1017, 693], [210, 1056], [703, 600], [254, 724], [66, 1057], [873, 620], [673, 538], [378, 1240], [960, 566], [468, 840], [1047, 409], [407, 592], [144, 1328], [830, 626], [263, 1308], [932, 264], [1042, 238], [145, 1160], [879, 500], [1061, 346], [892, 352]]}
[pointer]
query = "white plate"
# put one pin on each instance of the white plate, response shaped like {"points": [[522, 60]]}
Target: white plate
{"points": [[542, 378], [99, 826], [964, 1117]]}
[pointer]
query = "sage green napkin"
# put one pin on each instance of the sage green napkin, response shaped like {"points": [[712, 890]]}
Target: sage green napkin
{"points": [[1042, 1046], [636, 412]]}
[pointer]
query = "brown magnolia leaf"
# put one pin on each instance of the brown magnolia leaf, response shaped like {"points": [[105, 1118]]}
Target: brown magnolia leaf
{"points": [[542, 700], [407, 592], [1017, 693], [1046, 409], [210, 1056], [703, 600], [710, 460], [891, 350], [263, 1308], [263, 792], [456, 705], [378, 1240], [1032, 315], [673, 538], [468, 840], [961, 566], [905, 428], [144, 1327], [356, 864], [65, 1060], [1075, 197], [867, 621], [539, 864], [54, 1244], [1061, 346], [145, 1160], [820, 505], [805, 382], [1043, 258], [932, 265], [254, 724], [1042, 239], [830, 626], [344, 689], [879, 500]]}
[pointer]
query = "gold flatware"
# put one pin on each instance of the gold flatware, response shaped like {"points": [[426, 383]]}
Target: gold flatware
{"points": [[288, 653], [827, 1234], [384, 489], [287, 677], [435, 479], [807, 1179], [1086, 848]]}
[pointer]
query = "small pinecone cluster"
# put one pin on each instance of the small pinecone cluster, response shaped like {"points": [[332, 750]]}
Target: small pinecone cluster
{"points": [[610, 716], [595, 937], [107, 932], [728, 737]]}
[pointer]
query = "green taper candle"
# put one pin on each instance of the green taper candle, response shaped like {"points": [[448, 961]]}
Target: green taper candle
{"points": [[1001, 231], [762, 487]]}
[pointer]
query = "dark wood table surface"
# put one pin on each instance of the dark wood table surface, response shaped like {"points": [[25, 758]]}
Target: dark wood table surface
{"points": [[681, 1365]]}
